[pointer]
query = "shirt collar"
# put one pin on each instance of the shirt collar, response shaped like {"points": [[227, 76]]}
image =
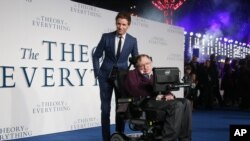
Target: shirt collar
{"points": [[147, 74], [123, 36]]}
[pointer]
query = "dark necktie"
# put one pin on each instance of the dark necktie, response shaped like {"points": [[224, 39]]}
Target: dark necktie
{"points": [[147, 76], [119, 47]]}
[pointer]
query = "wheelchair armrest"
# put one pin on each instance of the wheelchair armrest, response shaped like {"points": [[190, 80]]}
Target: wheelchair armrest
{"points": [[136, 100], [125, 100], [140, 100]]}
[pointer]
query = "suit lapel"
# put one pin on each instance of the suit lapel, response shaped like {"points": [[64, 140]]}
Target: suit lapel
{"points": [[112, 42]]}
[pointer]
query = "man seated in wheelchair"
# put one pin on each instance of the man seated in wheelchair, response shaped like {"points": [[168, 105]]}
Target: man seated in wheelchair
{"points": [[177, 122]]}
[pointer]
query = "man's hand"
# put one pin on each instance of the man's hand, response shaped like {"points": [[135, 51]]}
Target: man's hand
{"points": [[165, 97], [159, 97], [169, 97]]}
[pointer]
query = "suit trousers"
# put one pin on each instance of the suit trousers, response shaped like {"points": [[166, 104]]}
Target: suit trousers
{"points": [[106, 90]]}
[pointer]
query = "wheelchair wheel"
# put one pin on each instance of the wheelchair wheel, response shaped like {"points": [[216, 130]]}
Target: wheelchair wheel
{"points": [[118, 137]]}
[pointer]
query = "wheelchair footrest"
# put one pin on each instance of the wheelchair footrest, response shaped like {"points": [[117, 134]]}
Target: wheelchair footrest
{"points": [[138, 121]]}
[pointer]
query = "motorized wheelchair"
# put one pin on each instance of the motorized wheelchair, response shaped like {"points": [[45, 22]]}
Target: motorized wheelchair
{"points": [[146, 120]]}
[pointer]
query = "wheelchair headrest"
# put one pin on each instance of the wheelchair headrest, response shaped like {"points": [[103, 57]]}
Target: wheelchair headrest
{"points": [[132, 60]]}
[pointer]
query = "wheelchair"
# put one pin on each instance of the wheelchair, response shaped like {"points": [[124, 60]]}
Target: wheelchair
{"points": [[148, 121]]}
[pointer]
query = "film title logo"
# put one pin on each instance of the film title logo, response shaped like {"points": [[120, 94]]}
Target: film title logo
{"points": [[51, 107], [51, 23], [85, 123], [158, 41], [139, 22], [14, 132], [85, 10]]}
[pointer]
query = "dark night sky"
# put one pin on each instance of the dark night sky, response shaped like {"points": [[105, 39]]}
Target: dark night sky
{"points": [[229, 17]]}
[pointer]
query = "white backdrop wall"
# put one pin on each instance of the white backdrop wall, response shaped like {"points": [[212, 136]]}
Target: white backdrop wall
{"points": [[46, 78]]}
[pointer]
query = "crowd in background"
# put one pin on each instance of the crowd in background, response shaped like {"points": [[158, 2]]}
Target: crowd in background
{"points": [[213, 83]]}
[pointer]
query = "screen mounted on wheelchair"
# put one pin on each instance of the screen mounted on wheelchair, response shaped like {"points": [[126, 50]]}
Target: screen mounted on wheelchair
{"points": [[165, 79]]}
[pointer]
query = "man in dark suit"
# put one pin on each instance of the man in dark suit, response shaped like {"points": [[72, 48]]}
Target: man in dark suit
{"points": [[139, 83], [117, 47]]}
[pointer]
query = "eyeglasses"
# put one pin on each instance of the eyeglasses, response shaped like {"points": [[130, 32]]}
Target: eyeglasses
{"points": [[144, 65]]}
